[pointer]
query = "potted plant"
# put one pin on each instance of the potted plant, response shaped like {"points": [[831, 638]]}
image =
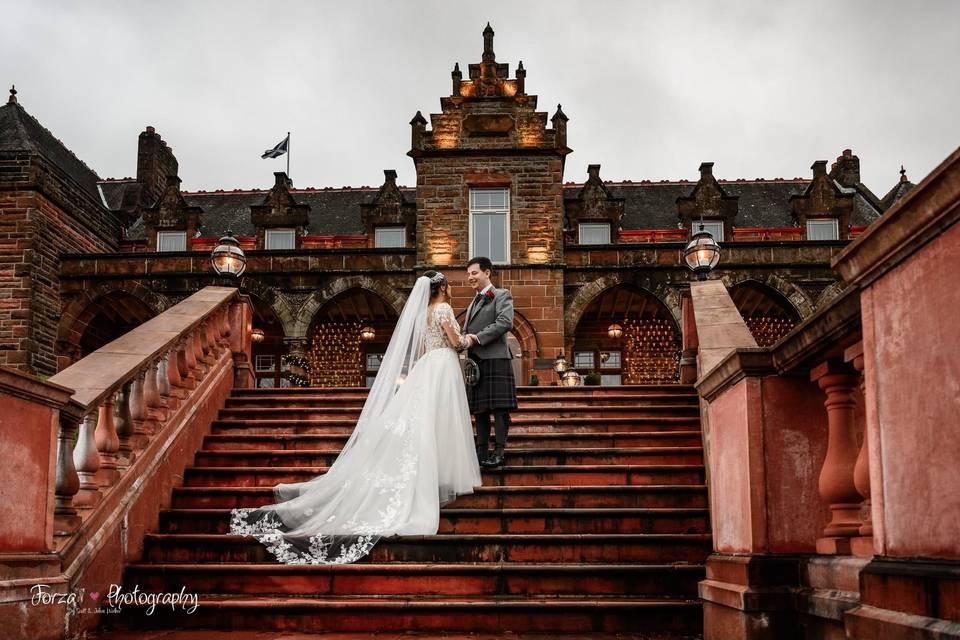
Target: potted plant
{"points": [[592, 379], [534, 381]]}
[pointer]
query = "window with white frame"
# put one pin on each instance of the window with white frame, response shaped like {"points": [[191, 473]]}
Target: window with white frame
{"points": [[713, 227], [279, 239], [265, 363], [823, 230], [171, 240], [594, 233], [611, 379], [490, 224], [612, 361], [583, 360], [389, 237]]}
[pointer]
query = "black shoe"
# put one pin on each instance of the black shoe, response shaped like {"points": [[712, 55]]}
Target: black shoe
{"points": [[482, 456], [493, 461]]}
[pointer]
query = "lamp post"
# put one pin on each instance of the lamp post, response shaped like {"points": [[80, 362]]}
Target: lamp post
{"points": [[228, 259], [702, 253]]}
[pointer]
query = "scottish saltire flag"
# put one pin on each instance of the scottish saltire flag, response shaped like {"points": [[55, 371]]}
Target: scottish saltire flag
{"points": [[278, 150]]}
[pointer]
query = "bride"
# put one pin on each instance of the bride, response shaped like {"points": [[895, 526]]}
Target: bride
{"points": [[411, 452]]}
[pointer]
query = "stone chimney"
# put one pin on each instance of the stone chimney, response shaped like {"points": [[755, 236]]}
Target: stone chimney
{"points": [[846, 170], [155, 162]]}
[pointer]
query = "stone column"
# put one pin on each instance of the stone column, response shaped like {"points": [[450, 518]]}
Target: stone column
{"points": [[837, 486]]}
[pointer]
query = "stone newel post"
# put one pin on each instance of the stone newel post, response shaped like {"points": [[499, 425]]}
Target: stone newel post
{"points": [[837, 487]]}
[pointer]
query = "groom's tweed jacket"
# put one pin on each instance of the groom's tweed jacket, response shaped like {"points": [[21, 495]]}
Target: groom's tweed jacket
{"points": [[490, 320]]}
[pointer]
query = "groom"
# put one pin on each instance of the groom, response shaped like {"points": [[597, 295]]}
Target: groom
{"points": [[489, 317]]}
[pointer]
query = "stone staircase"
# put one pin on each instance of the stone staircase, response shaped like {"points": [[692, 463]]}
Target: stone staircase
{"points": [[597, 522]]}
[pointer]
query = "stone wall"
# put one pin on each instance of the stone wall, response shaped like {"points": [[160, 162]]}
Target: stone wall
{"points": [[45, 215]]}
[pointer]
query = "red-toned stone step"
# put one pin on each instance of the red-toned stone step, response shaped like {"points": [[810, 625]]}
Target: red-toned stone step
{"points": [[518, 427], [501, 497], [522, 391], [526, 402], [520, 416], [287, 441], [583, 548], [546, 615], [446, 580], [513, 475], [514, 457], [474, 521]]}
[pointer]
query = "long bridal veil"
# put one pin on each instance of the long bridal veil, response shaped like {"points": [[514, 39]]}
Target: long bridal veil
{"points": [[369, 490]]}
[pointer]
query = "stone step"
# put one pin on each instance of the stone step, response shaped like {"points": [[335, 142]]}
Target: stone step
{"points": [[507, 475], [514, 457], [539, 414], [474, 521], [522, 391], [518, 427], [566, 548], [420, 580], [526, 402], [272, 442], [544, 615], [500, 497]]}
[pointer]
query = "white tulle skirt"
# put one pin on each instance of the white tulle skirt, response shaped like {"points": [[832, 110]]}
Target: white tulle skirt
{"points": [[391, 479]]}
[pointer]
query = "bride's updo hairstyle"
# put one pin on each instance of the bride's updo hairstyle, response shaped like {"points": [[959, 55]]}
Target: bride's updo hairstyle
{"points": [[438, 283]]}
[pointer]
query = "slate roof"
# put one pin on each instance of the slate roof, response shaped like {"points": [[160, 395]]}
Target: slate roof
{"points": [[647, 205], [19, 131]]}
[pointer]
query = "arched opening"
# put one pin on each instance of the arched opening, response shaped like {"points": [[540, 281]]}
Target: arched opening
{"points": [[768, 314], [646, 351], [268, 352], [338, 354], [110, 316]]}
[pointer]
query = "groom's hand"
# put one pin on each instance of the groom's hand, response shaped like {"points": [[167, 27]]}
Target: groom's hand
{"points": [[472, 340]]}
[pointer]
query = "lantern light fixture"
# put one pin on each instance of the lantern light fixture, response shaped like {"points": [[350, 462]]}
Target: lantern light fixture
{"points": [[560, 365], [227, 258], [257, 335], [367, 333], [615, 331], [571, 379], [702, 253]]}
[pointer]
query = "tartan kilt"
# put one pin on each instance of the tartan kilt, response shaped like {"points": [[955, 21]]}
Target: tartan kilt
{"points": [[496, 390]]}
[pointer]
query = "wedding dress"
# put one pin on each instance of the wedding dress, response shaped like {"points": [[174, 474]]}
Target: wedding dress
{"points": [[411, 452]]}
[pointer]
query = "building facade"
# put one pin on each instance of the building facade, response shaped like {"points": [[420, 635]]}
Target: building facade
{"points": [[595, 266]]}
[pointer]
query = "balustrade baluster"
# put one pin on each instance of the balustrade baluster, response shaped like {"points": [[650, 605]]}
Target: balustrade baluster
{"points": [[836, 484], [123, 421], [67, 484], [86, 459], [108, 443], [863, 544]]}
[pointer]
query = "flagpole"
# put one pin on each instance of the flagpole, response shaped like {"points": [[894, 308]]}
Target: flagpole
{"points": [[288, 156]]}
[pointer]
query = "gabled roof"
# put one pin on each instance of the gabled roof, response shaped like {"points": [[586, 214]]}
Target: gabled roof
{"points": [[19, 131]]}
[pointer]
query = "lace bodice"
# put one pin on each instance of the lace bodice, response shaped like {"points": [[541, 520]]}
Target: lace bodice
{"points": [[437, 317]]}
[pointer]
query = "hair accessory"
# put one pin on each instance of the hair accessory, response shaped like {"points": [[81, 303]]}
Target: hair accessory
{"points": [[437, 278]]}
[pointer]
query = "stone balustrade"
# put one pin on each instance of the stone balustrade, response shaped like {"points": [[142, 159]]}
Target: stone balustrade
{"points": [[124, 393]]}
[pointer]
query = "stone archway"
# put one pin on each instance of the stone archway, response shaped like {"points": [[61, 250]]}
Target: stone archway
{"points": [[85, 308], [769, 314], [830, 293], [307, 305], [796, 296], [588, 293]]}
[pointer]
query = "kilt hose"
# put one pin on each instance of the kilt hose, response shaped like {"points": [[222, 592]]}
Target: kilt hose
{"points": [[496, 390]]}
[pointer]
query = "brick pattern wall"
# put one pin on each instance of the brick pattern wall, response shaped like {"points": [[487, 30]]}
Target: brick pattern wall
{"points": [[43, 216], [536, 199]]}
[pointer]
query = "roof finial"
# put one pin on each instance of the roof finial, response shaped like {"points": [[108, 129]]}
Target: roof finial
{"points": [[13, 95], [488, 55], [903, 174]]}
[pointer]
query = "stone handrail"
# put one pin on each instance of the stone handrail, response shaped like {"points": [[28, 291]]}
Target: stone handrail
{"points": [[124, 392]]}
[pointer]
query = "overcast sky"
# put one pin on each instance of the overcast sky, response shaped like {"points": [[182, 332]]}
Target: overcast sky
{"points": [[763, 89]]}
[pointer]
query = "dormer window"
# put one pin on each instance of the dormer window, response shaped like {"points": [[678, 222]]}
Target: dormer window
{"points": [[280, 239], [594, 233], [713, 227], [171, 240], [823, 230], [390, 237]]}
